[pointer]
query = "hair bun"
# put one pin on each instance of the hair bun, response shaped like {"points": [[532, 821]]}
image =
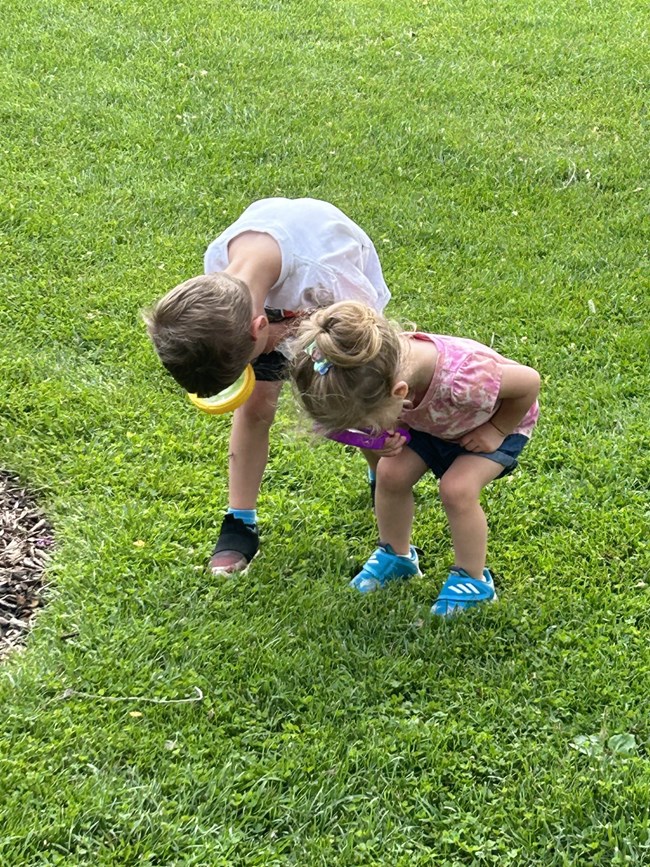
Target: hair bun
{"points": [[348, 334]]}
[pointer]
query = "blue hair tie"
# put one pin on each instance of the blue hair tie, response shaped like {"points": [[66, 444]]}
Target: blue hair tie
{"points": [[321, 364]]}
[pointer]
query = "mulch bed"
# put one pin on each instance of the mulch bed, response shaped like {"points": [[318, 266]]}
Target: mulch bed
{"points": [[25, 541]]}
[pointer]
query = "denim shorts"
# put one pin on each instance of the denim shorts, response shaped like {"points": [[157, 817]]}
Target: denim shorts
{"points": [[439, 454]]}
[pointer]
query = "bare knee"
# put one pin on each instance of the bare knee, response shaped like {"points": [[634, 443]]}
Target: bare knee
{"points": [[258, 411], [458, 492], [391, 477]]}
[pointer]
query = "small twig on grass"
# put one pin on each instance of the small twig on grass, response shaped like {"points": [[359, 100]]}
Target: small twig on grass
{"points": [[571, 178], [74, 693]]}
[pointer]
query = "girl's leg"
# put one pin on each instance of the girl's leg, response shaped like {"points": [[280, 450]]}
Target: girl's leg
{"points": [[460, 488], [394, 509], [372, 459], [394, 503]]}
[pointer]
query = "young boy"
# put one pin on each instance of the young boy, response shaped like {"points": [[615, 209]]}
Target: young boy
{"points": [[280, 258]]}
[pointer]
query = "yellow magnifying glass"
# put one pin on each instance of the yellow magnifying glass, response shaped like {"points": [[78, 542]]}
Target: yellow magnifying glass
{"points": [[228, 399]]}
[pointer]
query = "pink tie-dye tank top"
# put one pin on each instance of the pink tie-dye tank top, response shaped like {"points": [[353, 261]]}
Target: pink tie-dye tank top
{"points": [[464, 389]]}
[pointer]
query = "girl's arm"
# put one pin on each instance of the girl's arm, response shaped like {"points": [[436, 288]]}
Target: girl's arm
{"points": [[517, 393]]}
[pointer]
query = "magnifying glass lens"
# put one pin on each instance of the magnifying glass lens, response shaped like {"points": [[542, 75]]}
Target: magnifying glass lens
{"points": [[228, 399], [227, 393]]}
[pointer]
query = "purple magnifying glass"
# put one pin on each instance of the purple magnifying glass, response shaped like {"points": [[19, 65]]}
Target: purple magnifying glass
{"points": [[364, 439]]}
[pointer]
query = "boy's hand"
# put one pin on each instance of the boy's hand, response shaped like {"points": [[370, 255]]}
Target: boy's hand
{"points": [[485, 438], [392, 447]]}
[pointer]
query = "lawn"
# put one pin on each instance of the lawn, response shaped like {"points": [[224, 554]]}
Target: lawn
{"points": [[499, 156]]}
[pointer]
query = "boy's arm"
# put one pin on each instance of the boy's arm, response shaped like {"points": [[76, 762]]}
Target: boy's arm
{"points": [[255, 258], [518, 392]]}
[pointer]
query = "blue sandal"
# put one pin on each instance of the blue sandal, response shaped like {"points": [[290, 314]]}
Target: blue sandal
{"points": [[383, 566], [461, 592]]}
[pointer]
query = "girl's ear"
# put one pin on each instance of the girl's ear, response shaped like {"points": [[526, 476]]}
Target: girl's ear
{"points": [[400, 389]]}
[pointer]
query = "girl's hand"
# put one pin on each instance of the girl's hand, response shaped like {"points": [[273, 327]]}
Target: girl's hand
{"points": [[485, 438], [392, 447]]}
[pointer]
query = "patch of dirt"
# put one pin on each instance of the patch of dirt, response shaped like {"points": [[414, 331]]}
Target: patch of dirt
{"points": [[25, 541]]}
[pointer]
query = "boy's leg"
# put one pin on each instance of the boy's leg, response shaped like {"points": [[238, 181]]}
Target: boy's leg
{"points": [[249, 444], [248, 454], [460, 489]]}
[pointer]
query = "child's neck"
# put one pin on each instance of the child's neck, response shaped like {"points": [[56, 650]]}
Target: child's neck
{"points": [[419, 367]]}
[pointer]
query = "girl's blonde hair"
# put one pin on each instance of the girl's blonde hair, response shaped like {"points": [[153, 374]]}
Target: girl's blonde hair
{"points": [[201, 331], [346, 361]]}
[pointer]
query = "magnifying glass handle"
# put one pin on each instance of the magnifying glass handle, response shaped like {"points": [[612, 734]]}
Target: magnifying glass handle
{"points": [[365, 439]]}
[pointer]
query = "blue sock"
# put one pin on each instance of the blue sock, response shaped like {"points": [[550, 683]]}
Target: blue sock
{"points": [[248, 516]]}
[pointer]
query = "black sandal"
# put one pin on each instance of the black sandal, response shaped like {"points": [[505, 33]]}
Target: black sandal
{"points": [[235, 537]]}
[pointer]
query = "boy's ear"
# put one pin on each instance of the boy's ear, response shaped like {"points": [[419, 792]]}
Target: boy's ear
{"points": [[258, 325], [400, 389]]}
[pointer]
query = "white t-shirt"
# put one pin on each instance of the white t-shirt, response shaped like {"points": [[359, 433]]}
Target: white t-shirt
{"points": [[325, 256]]}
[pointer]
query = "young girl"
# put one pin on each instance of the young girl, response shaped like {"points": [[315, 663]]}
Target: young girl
{"points": [[470, 412]]}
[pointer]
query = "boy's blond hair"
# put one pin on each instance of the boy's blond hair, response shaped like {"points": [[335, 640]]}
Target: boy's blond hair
{"points": [[201, 331], [346, 361]]}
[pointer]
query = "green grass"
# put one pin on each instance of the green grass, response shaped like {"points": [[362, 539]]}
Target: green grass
{"points": [[498, 154]]}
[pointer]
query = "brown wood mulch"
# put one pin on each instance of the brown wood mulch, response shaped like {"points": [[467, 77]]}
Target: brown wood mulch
{"points": [[25, 542]]}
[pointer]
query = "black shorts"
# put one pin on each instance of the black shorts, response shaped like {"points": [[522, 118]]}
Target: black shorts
{"points": [[274, 366], [271, 367]]}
